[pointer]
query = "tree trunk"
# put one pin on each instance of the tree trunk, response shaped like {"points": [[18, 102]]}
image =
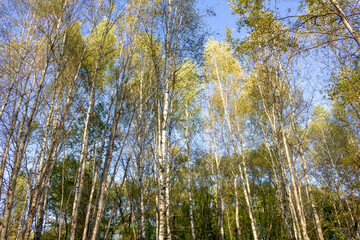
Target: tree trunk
{"points": [[289, 195], [237, 221], [40, 214], [168, 229], [340, 12], [168, 172], [6, 99], [222, 208], [189, 174], [162, 164], [162, 135], [229, 226], [93, 185], [140, 163], [62, 198], [83, 159], [217, 184]]}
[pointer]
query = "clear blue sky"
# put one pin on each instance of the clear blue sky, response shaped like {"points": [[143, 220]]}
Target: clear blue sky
{"points": [[222, 19]]}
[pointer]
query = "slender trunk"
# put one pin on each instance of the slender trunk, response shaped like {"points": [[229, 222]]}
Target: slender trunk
{"points": [[222, 208], [140, 165], [162, 163], [298, 182], [6, 99], [248, 203], [189, 174], [19, 229], [191, 215], [83, 159], [157, 204], [93, 185], [62, 197], [162, 182], [164, 119], [156, 174], [42, 183], [237, 221], [168, 229], [288, 195], [168, 172], [40, 214], [229, 226], [218, 187], [142, 214], [132, 215]]}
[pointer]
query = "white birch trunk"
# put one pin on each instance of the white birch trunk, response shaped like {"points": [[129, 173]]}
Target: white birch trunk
{"points": [[237, 221], [189, 173], [222, 208], [229, 226], [93, 185], [40, 213], [162, 164], [341, 14], [217, 181], [163, 131]]}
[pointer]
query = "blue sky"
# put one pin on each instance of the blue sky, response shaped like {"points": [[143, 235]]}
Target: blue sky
{"points": [[222, 19], [224, 16]]}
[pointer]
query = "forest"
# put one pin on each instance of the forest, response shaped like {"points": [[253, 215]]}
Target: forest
{"points": [[128, 119]]}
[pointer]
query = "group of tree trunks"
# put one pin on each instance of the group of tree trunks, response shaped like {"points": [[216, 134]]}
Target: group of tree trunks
{"points": [[124, 120]]}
